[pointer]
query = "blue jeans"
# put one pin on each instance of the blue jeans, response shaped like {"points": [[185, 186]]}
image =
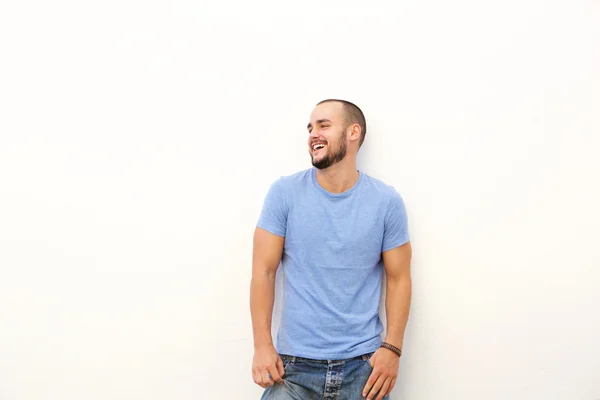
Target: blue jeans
{"points": [[307, 379]]}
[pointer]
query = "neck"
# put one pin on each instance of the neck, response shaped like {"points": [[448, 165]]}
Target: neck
{"points": [[339, 177]]}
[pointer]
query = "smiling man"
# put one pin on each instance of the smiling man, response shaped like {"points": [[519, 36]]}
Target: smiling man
{"points": [[335, 231]]}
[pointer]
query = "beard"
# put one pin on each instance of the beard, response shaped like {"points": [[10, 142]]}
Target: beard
{"points": [[333, 155]]}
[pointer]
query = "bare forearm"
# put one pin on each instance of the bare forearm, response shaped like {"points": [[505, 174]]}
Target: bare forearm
{"points": [[397, 304], [262, 294]]}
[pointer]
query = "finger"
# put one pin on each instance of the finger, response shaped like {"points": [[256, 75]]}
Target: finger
{"points": [[280, 368], [266, 380], [257, 378], [370, 382], [275, 374], [375, 388], [392, 384], [384, 389]]}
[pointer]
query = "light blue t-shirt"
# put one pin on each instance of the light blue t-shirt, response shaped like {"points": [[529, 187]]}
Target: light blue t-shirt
{"points": [[331, 264]]}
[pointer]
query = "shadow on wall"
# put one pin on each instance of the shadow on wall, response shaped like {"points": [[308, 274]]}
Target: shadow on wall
{"points": [[277, 304]]}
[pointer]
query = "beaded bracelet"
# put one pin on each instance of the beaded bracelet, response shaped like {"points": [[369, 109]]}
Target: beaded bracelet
{"points": [[392, 348]]}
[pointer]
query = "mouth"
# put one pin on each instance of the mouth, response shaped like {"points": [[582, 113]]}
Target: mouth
{"points": [[317, 146]]}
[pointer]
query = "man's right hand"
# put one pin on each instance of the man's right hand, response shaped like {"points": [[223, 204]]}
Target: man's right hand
{"points": [[267, 362]]}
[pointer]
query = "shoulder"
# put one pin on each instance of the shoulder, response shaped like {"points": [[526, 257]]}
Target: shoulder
{"points": [[285, 186], [287, 182], [393, 210], [389, 199], [381, 189]]}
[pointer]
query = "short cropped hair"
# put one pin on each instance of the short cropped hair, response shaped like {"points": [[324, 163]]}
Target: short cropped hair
{"points": [[354, 115]]}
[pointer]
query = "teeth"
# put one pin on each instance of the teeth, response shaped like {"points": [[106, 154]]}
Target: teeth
{"points": [[318, 146]]}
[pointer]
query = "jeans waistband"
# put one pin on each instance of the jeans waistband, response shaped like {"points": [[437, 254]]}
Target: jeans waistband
{"points": [[363, 357]]}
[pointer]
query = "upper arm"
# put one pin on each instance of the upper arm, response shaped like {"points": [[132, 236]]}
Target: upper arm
{"points": [[267, 251], [396, 224], [271, 229], [396, 262], [396, 248], [273, 216]]}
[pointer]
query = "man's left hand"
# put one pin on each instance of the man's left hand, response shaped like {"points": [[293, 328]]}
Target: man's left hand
{"points": [[385, 365]]}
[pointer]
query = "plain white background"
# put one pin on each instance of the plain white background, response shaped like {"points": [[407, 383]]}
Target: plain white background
{"points": [[138, 139]]}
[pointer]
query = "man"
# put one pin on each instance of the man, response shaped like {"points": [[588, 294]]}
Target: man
{"points": [[334, 230]]}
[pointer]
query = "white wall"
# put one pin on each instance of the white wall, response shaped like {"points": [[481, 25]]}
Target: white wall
{"points": [[137, 141]]}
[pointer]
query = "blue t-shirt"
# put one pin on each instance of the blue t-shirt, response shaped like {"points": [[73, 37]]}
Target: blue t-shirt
{"points": [[331, 264]]}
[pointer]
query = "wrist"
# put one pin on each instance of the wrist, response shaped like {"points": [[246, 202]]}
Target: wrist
{"points": [[392, 348], [262, 345], [262, 337], [395, 341]]}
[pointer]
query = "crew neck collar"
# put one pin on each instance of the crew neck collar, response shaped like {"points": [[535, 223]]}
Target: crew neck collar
{"points": [[331, 194]]}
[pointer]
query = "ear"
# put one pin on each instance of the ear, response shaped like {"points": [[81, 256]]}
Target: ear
{"points": [[354, 132]]}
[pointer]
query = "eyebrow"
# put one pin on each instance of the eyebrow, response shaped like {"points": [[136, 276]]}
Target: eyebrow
{"points": [[319, 121]]}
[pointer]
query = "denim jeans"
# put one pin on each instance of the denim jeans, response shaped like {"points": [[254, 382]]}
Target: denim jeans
{"points": [[307, 379]]}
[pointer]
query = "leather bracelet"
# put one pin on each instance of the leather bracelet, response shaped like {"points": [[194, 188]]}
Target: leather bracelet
{"points": [[392, 348]]}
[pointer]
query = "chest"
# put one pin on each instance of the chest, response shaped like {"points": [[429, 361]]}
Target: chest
{"points": [[337, 233]]}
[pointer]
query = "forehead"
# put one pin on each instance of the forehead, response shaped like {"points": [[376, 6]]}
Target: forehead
{"points": [[333, 111]]}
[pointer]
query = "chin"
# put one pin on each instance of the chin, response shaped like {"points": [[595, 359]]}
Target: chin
{"points": [[321, 163]]}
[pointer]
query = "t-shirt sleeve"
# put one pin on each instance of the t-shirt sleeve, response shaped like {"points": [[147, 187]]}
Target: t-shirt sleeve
{"points": [[273, 217], [396, 224]]}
